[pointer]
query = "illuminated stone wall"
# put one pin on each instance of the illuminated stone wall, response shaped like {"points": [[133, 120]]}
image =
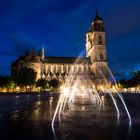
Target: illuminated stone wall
{"points": [[62, 71]]}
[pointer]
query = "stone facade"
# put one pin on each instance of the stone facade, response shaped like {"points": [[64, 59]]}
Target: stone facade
{"points": [[94, 64]]}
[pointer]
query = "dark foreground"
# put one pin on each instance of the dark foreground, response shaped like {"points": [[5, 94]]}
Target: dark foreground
{"points": [[28, 117]]}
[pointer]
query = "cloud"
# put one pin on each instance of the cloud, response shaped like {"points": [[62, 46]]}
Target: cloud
{"points": [[22, 42], [124, 70]]}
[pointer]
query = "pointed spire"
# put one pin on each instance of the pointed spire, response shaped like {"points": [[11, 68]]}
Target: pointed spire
{"points": [[97, 17], [42, 53], [43, 49]]}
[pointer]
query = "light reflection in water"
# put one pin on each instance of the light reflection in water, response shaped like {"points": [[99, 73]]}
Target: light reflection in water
{"points": [[84, 122], [36, 114], [51, 107]]}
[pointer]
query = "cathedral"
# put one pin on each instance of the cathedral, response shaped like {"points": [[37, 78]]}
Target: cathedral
{"points": [[94, 64]]}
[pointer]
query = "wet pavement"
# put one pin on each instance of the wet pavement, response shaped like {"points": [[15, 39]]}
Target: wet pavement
{"points": [[28, 117]]}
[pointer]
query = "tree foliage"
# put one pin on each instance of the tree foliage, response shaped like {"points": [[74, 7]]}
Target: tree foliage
{"points": [[7, 83], [133, 82], [10, 83], [44, 84], [3, 81], [26, 77], [123, 83], [54, 83]]}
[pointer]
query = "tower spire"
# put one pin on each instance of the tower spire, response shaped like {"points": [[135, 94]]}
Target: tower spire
{"points": [[42, 53], [97, 15], [97, 24]]}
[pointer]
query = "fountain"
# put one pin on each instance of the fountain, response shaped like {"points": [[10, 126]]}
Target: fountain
{"points": [[80, 92]]}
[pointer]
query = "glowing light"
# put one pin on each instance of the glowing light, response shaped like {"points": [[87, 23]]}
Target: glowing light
{"points": [[17, 97], [65, 91]]}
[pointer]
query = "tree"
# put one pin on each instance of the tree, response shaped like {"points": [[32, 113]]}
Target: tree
{"points": [[10, 84], [3, 81], [7, 83], [44, 84], [54, 83], [133, 82], [26, 77], [123, 83]]}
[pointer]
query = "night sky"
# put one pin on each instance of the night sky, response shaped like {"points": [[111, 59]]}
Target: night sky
{"points": [[61, 25]]}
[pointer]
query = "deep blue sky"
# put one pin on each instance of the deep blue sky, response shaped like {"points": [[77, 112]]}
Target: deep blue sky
{"points": [[61, 25]]}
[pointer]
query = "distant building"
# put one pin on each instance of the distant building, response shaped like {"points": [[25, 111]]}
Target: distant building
{"points": [[94, 64]]}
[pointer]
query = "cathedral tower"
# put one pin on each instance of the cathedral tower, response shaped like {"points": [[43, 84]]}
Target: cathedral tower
{"points": [[96, 49]]}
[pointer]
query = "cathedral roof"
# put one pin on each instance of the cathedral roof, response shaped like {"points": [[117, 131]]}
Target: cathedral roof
{"points": [[67, 60]]}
